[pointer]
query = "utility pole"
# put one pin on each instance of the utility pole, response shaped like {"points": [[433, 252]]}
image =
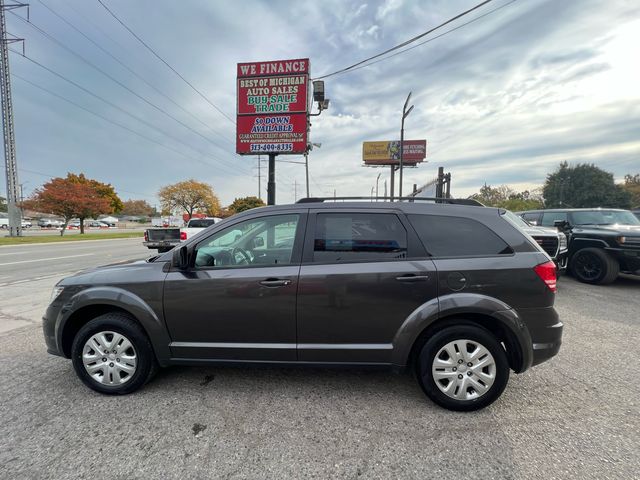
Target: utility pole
{"points": [[405, 114], [295, 190], [11, 164], [259, 179], [271, 184]]}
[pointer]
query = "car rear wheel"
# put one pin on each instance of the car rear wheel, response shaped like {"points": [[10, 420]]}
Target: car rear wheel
{"points": [[463, 368], [111, 354], [595, 266]]}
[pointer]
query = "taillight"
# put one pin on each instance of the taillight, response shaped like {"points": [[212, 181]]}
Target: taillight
{"points": [[146, 236], [547, 273], [183, 236]]}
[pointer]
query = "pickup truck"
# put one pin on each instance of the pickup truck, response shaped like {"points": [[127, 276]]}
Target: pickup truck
{"points": [[164, 239]]}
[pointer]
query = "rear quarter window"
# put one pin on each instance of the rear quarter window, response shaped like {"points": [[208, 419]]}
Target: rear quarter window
{"points": [[457, 237]]}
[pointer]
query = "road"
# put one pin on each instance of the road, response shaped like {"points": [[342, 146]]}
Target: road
{"points": [[29, 272], [577, 416]]}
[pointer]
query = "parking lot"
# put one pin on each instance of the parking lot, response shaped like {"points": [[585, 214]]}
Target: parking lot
{"points": [[577, 416]]}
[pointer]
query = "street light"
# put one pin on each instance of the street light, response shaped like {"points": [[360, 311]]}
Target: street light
{"points": [[306, 162], [405, 114], [377, 178]]}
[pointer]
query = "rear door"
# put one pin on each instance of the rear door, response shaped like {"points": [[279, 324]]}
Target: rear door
{"points": [[363, 273]]}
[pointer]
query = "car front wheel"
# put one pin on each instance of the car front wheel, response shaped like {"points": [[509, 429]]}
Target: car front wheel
{"points": [[111, 354], [463, 368], [595, 266]]}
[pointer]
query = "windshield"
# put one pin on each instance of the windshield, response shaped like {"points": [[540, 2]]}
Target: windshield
{"points": [[516, 219], [201, 223], [604, 217]]}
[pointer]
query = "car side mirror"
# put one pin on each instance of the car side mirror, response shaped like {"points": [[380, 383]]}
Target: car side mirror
{"points": [[180, 259], [560, 224], [258, 242]]}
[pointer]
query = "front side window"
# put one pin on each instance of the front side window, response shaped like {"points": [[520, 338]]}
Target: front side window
{"points": [[457, 237], [264, 241], [549, 218], [348, 237]]}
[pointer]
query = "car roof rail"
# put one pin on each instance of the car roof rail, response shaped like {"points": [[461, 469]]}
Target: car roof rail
{"points": [[453, 201]]}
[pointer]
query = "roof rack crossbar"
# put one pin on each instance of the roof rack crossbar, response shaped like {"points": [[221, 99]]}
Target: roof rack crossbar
{"points": [[454, 201]]}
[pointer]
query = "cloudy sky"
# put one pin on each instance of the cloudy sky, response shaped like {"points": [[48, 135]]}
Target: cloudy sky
{"points": [[502, 100]]}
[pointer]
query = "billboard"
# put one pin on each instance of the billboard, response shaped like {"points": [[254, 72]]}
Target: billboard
{"points": [[388, 152], [272, 107]]}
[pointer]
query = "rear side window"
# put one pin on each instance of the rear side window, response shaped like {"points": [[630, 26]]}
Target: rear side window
{"points": [[457, 237], [200, 223], [348, 237], [549, 217]]}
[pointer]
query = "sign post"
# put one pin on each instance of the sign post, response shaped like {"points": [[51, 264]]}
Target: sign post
{"points": [[272, 111]]}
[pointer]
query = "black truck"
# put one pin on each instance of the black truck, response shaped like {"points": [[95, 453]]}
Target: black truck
{"points": [[602, 242]]}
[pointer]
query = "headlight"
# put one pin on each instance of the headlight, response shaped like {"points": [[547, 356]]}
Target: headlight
{"points": [[56, 293], [563, 241]]}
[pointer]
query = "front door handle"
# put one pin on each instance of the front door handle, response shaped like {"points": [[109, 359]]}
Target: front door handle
{"points": [[411, 278], [275, 282]]}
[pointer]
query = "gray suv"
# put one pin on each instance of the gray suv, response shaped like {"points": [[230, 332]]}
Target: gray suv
{"points": [[456, 293]]}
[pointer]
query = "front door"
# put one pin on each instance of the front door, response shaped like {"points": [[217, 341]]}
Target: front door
{"points": [[363, 274], [238, 299]]}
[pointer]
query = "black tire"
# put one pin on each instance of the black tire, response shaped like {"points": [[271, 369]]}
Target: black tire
{"points": [[121, 323], [594, 266], [436, 342]]}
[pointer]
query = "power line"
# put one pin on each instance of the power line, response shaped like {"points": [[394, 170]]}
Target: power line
{"points": [[135, 117], [124, 127], [403, 44], [436, 37], [48, 175], [166, 63], [115, 80], [133, 72]]}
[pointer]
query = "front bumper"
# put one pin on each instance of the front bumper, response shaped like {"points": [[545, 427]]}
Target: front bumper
{"points": [[545, 329], [49, 332]]}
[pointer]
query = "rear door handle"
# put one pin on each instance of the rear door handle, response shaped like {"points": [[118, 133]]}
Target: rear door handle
{"points": [[411, 278], [275, 282]]}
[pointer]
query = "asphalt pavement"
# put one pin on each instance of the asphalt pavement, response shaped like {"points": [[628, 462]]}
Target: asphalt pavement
{"points": [[576, 416]]}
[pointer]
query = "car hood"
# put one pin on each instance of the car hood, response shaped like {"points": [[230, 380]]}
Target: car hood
{"points": [[118, 272], [631, 230]]}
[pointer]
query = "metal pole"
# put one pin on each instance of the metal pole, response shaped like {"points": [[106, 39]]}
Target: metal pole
{"points": [[439, 185], [271, 185], [259, 180], [401, 154], [306, 168], [393, 180], [377, 178], [11, 165]]}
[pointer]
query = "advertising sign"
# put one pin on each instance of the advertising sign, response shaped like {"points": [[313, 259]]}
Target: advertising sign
{"points": [[388, 152], [271, 134], [272, 107]]}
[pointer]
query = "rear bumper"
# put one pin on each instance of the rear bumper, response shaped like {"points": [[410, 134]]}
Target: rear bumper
{"points": [[545, 329], [161, 244]]}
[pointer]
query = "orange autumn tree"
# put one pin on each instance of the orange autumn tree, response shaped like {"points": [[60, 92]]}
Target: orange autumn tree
{"points": [[69, 198]]}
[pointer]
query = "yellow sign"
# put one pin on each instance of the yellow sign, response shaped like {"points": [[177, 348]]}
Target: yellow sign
{"points": [[388, 152]]}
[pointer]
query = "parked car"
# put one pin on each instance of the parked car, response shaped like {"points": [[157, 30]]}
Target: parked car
{"points": [[602, 242], [164, 239], [95, 224], [550, 239], [457, 293], [26, 223], [49, 223]]}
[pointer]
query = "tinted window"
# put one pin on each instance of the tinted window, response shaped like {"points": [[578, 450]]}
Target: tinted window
{"points": [[457, 237], [548, 218], [345, 237], [201, 223], [264, 241], [532, 218]]}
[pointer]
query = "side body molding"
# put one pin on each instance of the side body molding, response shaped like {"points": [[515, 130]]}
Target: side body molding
{"points": [[122, 299], [459, 304]]}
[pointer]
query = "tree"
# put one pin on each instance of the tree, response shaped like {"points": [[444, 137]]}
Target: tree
{"points": [[68, 198], [632, 186], [137, 208], [245, 203], [504, 196], [3, 204], [584, 186], [189, 196], [104, 190]]}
